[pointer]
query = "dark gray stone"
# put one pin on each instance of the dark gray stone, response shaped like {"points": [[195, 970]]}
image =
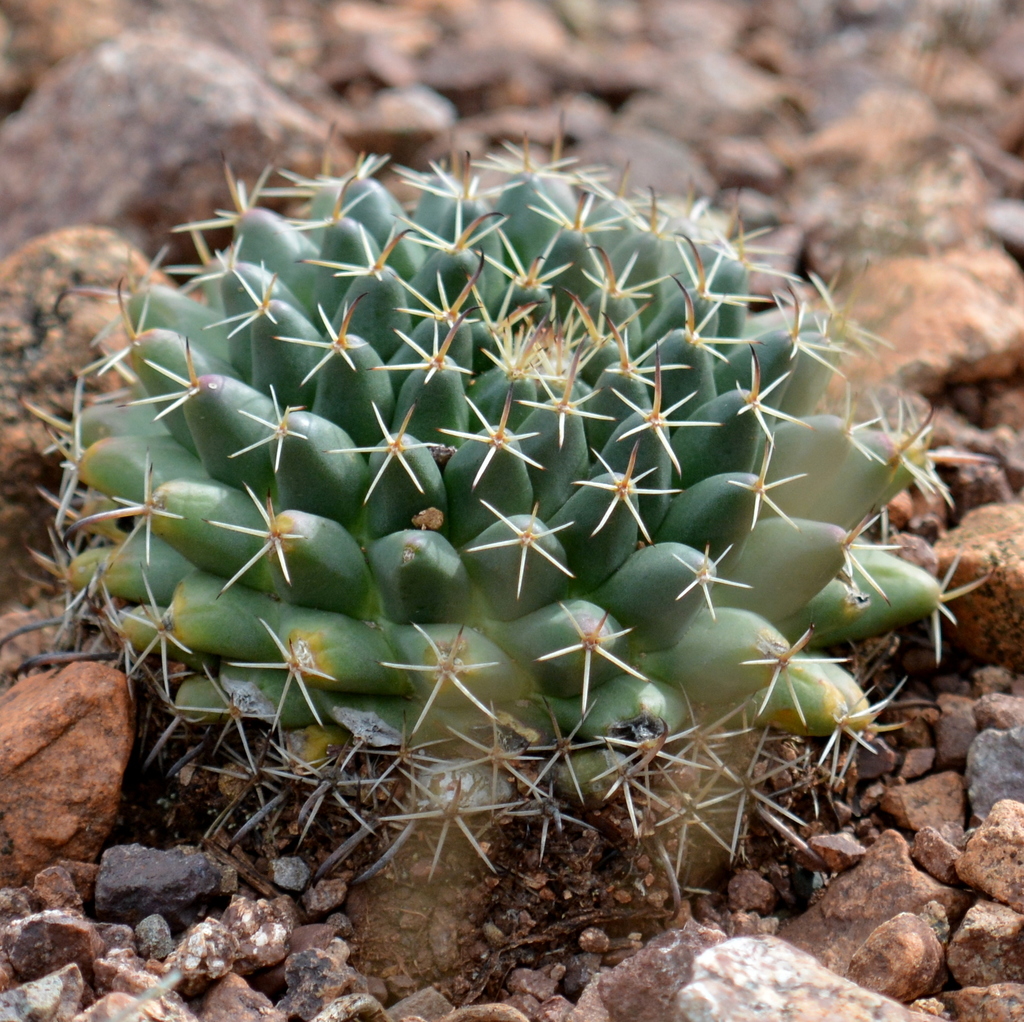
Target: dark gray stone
{"points": [[995, 769]]}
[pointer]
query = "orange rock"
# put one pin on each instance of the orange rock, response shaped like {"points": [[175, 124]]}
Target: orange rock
{"points": [[65, 738], [990, 620]]}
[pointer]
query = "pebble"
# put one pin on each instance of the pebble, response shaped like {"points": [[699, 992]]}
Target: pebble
{"points": [[988, 947], [428, 1003], [595, 940], [883, 884], [989, 619], [917, 762], [937, 856], [998, 711], [290, 872], [261, 936], [324, 897], [53, 998], [122, 972], [54, 888], [839, 851], [153, 934], [135, 881], [272, 981], [47, 941], [902, 959], [644, 987], [749, 892], [995, 769], [752, 979], [954, 731], [191, 106], [315, 978], [999, 1002], [992, 861], [65, 739], [532, 982], [205, 953], [554, 1009], [231, 999], [935, 800]]}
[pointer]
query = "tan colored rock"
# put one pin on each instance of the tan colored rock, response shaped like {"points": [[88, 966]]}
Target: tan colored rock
{"points": [[990, 620], [931, 802], [749, 979], [993, 862], [932, 852], [839, 851], [902, 959], [65, 738], [882, 885], [45, 338], [233, 1000], [956, 317], [168, 107], [1000, 1002]]}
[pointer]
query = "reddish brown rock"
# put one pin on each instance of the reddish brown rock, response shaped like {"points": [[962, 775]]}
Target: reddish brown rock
{"points": [[954, 731], [206, 953], [54, 888], [955, 317], [988, 947], [881, 886], [936, 800], [999, 711], [917, 762], [324, 897], [902, 959], [171, 108], [750, 892], [233, 1000], [65, 738], [989, 541], [993, 861], [47, 941], [933, 853], [1000, 1002], [262, 937], [839, 851]]}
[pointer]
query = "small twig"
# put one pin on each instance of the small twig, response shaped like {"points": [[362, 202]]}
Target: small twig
{"points": [[341, 853], [381, 863], [32, 626], [794, 839], [47, 659]]}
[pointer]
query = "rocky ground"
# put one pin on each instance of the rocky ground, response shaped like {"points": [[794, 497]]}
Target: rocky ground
{"points": [[878, 143]]}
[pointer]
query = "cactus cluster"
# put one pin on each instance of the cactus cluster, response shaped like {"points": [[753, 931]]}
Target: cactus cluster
{"points": [[521, 453]]}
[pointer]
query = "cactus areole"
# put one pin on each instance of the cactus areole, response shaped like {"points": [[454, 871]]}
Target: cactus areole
{"points": [[518, 455]]}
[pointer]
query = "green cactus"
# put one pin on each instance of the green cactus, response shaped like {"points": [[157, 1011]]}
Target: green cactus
{"points": [[526, 454]]}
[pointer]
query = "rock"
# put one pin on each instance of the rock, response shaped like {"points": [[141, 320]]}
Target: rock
{"points": [[750, 892], [47, 941], [999, 711], [988, 947], [881, 886], [233, 1000], [990, 618], [992, 860], [428, 1003], [122, 972], [954, 731], [315, 978], [272, 981], [324, 898], [933, 853], [554, 1009], [931, 802], [750, 979], [53, 998], [745, 162], [169, 107], [534, 982], [999, 1002], [262, 937], [290, 872], [54, 888], [401, 121], [205, 953], [65, 739], [594, 940], [995, 769], [839, 851], [40, 35], [135, 882], [116, 937], [116, 1007], [17, 650], [655, 161], [1005, 219], [901, 959], [17, 903], [917, 762], [153, 934], [881, 759], [956, 317], [644, 987]]}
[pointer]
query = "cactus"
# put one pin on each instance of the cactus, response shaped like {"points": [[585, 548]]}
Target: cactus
{"points": [[524, 456]]}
